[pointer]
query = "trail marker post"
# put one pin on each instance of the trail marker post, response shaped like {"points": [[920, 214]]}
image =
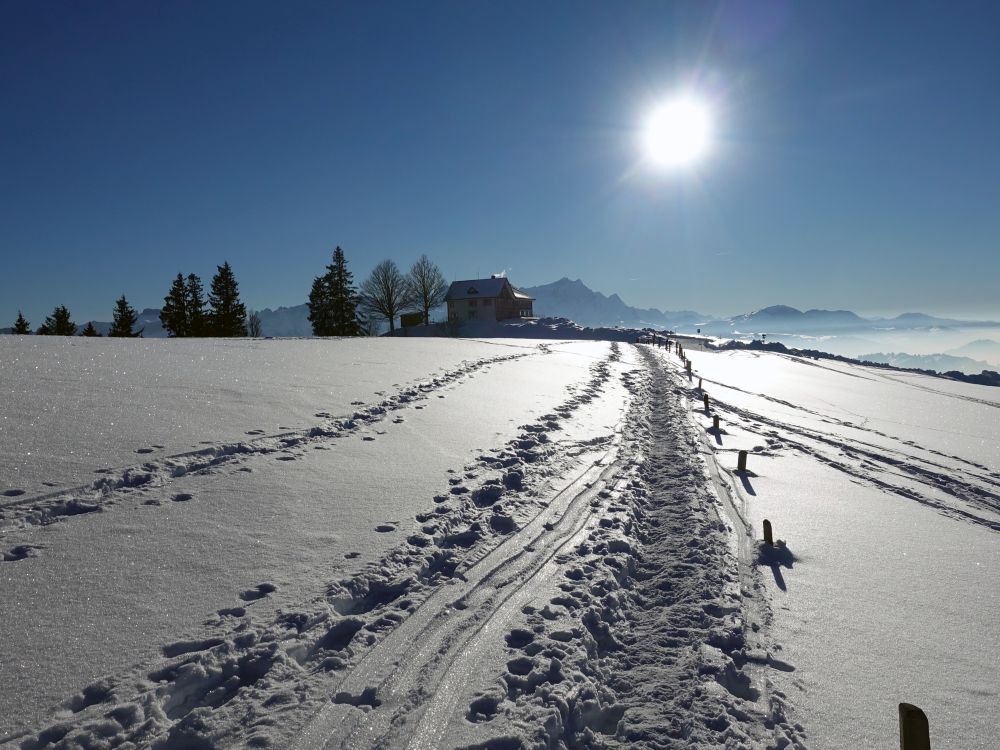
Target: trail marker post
{"points": [[914, 733], [699, 384], [741, 461], [715, 423], [769, 541], [705, 399]]}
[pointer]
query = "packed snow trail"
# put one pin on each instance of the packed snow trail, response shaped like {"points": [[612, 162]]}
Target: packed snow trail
{"points": [[620, 609]]}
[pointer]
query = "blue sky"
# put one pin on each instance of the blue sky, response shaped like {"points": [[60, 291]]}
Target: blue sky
{"points": [[856, 161]]}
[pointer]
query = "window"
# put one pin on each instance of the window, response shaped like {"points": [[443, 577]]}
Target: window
{"points": [[472, 302], [487, 302]]}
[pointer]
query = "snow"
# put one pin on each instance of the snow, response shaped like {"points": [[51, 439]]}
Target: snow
{"points": [[488, 544], [885, 488], [111, 403], [165, 565]]}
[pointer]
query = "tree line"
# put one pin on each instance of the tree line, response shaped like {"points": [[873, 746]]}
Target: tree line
{"points": [[336, 307], [59, 323]]}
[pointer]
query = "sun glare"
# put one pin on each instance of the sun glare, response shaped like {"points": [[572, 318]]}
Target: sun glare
{"points": [[678, 133]]}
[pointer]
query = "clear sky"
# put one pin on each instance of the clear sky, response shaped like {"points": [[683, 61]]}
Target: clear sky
{"points": [[855, 161]]}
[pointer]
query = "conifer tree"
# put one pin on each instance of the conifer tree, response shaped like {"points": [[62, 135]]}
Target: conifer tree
{"points": [[194, 300], [228, 315], [125, 318], [21, 325], [89, 330], [321, 306], [174, 315], [58, 323], [333, 300]]}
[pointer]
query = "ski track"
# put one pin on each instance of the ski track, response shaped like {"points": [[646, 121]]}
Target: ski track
{"points": [[578, 673], [893, 471]]}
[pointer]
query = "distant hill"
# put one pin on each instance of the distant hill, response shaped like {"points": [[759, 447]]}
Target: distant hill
{"points": [[984, 349], [566, 298], [785, 319], [938, 362]]}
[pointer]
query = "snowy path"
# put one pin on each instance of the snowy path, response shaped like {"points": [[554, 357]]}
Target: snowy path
{"points": [[568, 578]]}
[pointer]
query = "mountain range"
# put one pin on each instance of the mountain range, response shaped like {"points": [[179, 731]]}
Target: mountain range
{"points": [[575, 300], [572, 299], [785, 319]]}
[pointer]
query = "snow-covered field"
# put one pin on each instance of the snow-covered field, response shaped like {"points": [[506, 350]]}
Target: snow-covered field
{"points": [[492, 544], [885, 487]]}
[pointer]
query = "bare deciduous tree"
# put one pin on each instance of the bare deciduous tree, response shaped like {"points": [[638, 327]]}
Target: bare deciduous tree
{"points": [[386, 292], [427, 286], [253, 324]]}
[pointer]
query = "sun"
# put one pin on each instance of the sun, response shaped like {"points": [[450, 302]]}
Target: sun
{"points": [[678, 133]]}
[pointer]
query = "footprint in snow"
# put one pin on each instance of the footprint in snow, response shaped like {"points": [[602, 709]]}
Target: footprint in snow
{"points": [[384, 528], [368, 438], [255, 432], [232, 612], [483, 708], [181, 497], [287, 458], [258, 592], [143, 450], [19, 553], [352, 555], [13, 493]]}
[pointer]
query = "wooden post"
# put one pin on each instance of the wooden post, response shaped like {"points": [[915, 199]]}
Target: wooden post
{"points": [[705, 399], [699, 384], [914, 734], [715, 423], [741, 462], [768, 537], [687, 363]]}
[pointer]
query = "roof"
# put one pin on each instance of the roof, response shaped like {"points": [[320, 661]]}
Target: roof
{"points": [[476, 288], [482, 288]]}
